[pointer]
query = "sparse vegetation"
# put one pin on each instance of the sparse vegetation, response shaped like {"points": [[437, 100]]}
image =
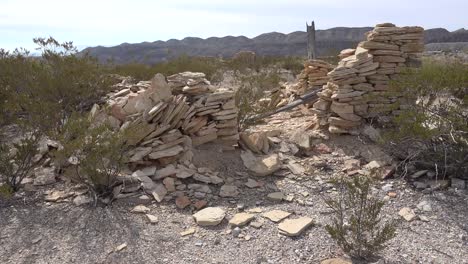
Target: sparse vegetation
{"points": [[43, 91], [207, 65], [437, 125], [39, 94], [98, 154], [211, 66], [357, 225], [17, 161], [248, 97]]}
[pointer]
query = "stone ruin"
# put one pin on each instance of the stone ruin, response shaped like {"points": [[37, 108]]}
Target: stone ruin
{"points": [[359, 86], [314, 76], [167, 118]]}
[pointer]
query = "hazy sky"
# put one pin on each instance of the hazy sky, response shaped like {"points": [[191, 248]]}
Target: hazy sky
{"points": [[111, 22]]}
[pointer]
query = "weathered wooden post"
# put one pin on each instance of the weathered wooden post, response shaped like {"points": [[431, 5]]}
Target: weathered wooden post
{"points": [[311, 41]]}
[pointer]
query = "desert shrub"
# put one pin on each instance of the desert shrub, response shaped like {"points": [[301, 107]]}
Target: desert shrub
{"points": [[243, 65], [17, 161], [43, 91], [435, 122], [207, 65], [357, 225], [252, 89], [95, 152], [294, 64]]}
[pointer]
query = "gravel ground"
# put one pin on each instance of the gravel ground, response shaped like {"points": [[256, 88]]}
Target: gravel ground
{"points": [[33, 231]]}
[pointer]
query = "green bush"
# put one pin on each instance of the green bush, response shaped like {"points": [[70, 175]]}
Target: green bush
{"points": [[17, 161], [438, 122], [207, 65], [99, 155], [252, 89], [42, 92], [357, 224], [211, 66]]}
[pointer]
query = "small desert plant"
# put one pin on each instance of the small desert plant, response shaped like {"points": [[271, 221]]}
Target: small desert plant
{"points": [[96, 154], [435, 119], [357, 224], [17, 160], [252, 89]]}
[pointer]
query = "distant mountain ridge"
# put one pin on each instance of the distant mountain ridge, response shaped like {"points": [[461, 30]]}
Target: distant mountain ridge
{"points": [[329, 42]]}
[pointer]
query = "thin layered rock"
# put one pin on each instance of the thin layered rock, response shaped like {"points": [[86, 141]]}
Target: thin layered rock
{"points": [[359, 86], [165, 120], [314, 75]]}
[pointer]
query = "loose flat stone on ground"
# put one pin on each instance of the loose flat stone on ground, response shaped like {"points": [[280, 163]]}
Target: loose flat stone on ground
{"points": [[296, 168], [276, 215], [187, 232], [276, 196], [407, 214], [152, 218], [294, 227], [336, 261], [140, 209], [209, 216], [228, 191], [261, 166], [241, 219]]}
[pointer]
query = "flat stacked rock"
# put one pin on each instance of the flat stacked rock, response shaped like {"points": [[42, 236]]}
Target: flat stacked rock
{"points": [[358, 86], [165, 121], [191, 83], [213, 116], [314, 75]]}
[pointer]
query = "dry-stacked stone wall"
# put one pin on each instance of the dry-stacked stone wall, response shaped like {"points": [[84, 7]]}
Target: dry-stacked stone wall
{"points": [[359, 85], [168, 117]]}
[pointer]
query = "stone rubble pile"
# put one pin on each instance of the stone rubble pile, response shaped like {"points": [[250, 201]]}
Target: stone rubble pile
{"points": [[359, 85], [165, 120]]}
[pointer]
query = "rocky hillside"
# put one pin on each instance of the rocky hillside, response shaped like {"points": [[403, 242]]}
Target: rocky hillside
{"points": [[330, 41]]}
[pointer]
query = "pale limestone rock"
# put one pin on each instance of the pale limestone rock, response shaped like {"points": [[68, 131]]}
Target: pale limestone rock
{"points": [[336, 261], [140, 209], [296, 168], [209, 216], [152, 219], [302, 139], [294, 227], [261, 166], [276, 215], [241, 219], [407, 214]]}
